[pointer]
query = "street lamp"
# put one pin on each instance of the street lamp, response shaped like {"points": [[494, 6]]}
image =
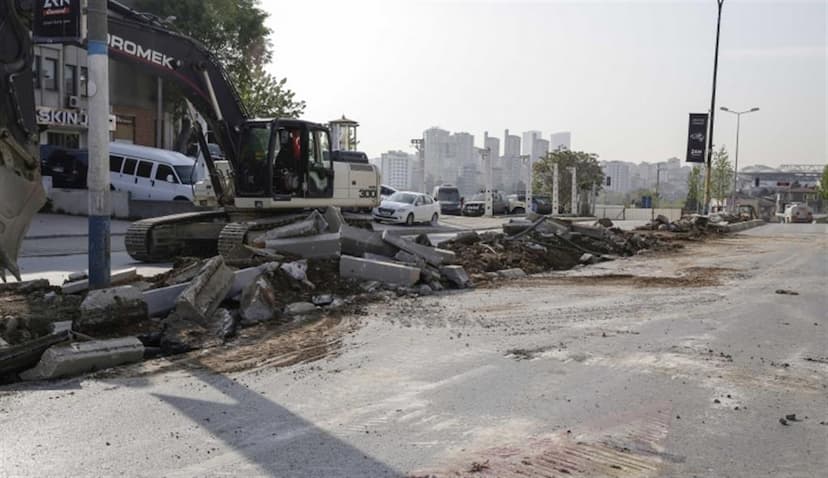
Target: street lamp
{"points": [[736, 165]]}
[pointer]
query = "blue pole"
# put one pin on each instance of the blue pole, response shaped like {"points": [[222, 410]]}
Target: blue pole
{"points": [[98, 174]]}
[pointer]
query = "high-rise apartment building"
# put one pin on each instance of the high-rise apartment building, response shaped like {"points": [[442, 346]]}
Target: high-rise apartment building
{"points": [[560, 140], [397, 169]]}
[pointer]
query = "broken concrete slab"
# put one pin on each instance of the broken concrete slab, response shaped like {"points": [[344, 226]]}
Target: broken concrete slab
{"points": [[588, 258], [72, 359], [513, 273], [386, 272], [81, 285], [356, 242], [426, 253], [162, 300], [25, 287], [604, 222], [16, 358], [467, 237], [408, 258], [334, 217], [108, 309], [315, 223], [82, 357], [590, 231], [63, 325], [300, 308], [456, 275], [320, 246], [199, 301], [322, 300], [258, 302]]}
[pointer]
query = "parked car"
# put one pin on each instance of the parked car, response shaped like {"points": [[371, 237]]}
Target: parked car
{"points": [[540, 204], [797, 212], [449, 198], [477, 205], [407, 207], [67, 167], [151, 173]]}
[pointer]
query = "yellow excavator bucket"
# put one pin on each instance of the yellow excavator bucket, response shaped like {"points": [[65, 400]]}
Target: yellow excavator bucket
{"points": [[21, 191]]}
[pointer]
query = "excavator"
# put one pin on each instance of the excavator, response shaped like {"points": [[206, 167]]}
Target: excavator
{"points": [[274, 167]]}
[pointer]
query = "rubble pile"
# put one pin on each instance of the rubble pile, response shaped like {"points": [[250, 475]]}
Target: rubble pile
{"points": [[314, 265], [694, 225], [545, 244]]}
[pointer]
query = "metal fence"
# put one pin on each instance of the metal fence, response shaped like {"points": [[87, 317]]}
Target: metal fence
{"points": [[622, 213]]}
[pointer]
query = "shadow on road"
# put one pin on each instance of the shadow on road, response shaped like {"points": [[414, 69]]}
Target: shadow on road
{"points": [[273, 439]]}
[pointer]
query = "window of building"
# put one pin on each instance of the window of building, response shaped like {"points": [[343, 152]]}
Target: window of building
{"points": [[115, 163], [163, 171], [50, 80], [70, 88], [36, 71], [125, 129], [64, 140], [145, 169], [84, 81], [129, 166]]}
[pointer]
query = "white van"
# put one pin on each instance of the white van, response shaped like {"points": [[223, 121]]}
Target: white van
{"points": [[151, 173]]}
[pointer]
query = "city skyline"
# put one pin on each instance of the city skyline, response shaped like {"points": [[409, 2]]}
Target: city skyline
{"points": [[621, 76]]}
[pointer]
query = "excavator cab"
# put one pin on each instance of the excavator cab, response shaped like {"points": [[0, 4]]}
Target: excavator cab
{"points": [[284, 160]]}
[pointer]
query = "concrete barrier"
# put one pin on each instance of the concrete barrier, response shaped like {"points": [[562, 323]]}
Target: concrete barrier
{"points": [[76, 202], [742, 226]]}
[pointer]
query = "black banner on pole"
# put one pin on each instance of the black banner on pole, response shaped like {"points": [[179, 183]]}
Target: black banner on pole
{"points": [[57, 21], [697, 138]]}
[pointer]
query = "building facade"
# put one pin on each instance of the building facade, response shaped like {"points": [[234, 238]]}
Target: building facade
{"points": [[397, 170], [562, 140], [138, 113]]}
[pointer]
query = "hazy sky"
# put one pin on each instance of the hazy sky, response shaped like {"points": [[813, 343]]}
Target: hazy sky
{"points": [[620, 75]]}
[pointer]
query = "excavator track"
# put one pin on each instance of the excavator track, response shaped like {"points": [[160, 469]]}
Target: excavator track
{"points": [[232, 235], [236, 233], [161, 239]]}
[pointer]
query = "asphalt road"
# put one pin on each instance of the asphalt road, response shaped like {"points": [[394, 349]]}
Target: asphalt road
{"points": [[667, 365]]}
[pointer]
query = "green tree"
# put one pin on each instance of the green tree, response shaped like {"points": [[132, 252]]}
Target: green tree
{"points": [[721, 179], [235, 32], [823, 183], [588, 172], [695, 189]]}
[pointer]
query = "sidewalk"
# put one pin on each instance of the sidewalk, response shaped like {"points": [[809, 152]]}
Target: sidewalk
{"points": [[48, 226]]}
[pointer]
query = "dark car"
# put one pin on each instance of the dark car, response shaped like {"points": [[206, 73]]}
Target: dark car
{"points": [[477, 205], [67, 167], [542, 204], [449, 198]]}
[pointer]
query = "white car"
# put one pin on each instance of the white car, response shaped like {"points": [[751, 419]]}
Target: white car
{"points": [[407, 207], [150, 173]]}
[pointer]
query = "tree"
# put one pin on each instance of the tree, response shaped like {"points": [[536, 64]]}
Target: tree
{"points": [[234, 31], [264, 96], [721, 179], [695, 189], [588, 172], [823, 183]]}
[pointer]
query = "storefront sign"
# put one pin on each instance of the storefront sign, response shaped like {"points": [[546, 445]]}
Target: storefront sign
{"points": [[697, 138], [67, 118], [57, 21]]}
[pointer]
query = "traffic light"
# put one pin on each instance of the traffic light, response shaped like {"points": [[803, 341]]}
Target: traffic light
{"points": [[609, 180]]}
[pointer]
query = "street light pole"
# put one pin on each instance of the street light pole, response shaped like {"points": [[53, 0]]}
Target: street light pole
{"points": [[736, 164], [712, 111]]}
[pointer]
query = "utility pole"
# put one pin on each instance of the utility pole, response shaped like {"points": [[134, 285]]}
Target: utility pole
{"points": [[658, 181], [529, 186], [487, 163], [98, 174], [712, 111], [555, 190], [736, 165], [573, 206]]}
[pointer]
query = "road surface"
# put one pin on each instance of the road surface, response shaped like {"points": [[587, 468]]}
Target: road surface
{"points": [[658, 365]]}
